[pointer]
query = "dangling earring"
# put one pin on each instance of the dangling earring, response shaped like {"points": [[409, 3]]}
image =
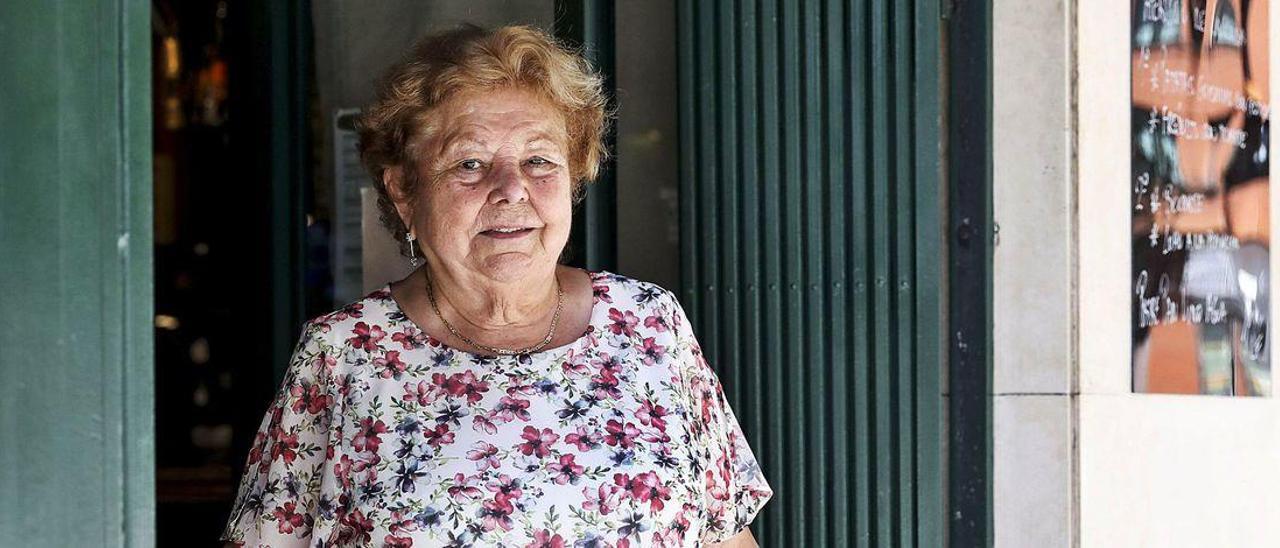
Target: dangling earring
{"points": [[414, 261]]}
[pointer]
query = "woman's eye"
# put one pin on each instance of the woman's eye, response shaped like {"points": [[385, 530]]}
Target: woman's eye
{"points": [[539, 161], [470, 165]]}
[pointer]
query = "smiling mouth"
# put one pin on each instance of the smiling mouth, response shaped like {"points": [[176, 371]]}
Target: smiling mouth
{"points": [[507, 233]]}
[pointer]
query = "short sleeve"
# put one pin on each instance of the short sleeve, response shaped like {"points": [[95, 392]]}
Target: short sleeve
{"points": [[277, 501], [734, 487]]}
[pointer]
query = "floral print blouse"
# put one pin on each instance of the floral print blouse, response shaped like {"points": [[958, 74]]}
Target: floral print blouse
{"points": [[381, 435]]}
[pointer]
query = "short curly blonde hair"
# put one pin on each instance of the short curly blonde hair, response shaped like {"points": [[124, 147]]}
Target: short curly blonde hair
{"points": [[470, 58]]}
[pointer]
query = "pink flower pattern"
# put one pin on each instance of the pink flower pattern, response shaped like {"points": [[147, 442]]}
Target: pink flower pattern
{"points": [[382, 435]]}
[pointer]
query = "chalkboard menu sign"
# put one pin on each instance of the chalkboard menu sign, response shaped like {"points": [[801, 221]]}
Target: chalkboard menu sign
{"points": [[1199, 197]]}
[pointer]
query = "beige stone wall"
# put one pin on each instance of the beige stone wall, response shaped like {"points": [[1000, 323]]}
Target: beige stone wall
{"points": [[1079, 459], [1033, 191]]}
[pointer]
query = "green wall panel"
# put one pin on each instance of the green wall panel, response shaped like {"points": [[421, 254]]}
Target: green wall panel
{"points": [[811, 224], [76, 441]]}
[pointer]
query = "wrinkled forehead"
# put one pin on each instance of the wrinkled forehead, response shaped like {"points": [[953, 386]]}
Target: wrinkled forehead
{"points": [[490, 119], [524, 135]]}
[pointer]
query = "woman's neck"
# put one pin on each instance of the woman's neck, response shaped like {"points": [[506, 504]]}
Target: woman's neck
{"points": [[481, 304]]}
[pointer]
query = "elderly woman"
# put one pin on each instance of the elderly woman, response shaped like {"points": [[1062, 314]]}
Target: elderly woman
{"points": [[495, 397]]}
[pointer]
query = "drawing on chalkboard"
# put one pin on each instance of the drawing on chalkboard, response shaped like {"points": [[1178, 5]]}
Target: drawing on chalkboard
{"points": [[1199, 197]]}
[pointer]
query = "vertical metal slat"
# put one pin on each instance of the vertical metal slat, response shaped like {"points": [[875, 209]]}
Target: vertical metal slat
{"points": [[813, 292], [727, 195], [771, 136], [861, 270], [881, 163], [836, 142], [927, 216], [903, 280], [792, 282]]}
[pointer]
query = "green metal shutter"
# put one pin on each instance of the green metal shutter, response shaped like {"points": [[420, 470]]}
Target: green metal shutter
{"points": [[76, 434], [811, 256]]}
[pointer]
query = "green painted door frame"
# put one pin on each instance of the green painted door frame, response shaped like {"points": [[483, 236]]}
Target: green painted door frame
{"points": [[76, 433], [812, 215], [971, 235]]}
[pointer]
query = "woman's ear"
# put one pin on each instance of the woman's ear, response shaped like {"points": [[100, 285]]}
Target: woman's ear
{"points": [[393, 181]]}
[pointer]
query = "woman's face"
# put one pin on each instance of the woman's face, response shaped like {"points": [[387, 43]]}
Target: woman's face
{"points": [[496, 198]]}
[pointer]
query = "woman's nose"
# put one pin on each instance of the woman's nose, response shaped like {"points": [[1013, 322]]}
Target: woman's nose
{"points": [[509, 184]]}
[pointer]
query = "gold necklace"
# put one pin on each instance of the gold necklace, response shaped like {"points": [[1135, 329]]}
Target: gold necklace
{"points": [[555, 319]]}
